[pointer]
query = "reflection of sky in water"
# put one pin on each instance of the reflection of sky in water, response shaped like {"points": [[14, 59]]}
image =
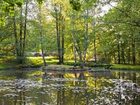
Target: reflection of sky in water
{"points": [[83, 88]]}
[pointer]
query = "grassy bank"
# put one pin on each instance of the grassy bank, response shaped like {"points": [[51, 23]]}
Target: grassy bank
{"points": [[10, 62], [34, 62], [7, 62], [125, 67]]}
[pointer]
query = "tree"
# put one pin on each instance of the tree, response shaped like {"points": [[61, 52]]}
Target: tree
{"points": [[125, 29], [21, 37], [82, 41], [59, 15], [41, 31]]}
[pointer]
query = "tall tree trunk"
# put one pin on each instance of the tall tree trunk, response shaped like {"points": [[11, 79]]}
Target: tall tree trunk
{"points": [[78, 50], [122, 53], [75, 56], [133, 52], [86, 36], [119, 60], [43, 56], [119, 48], [58, 35], [94, 44], [20, 40], [63, 30], [114, 56], [25, 29], [15, 34], [105, 55], [20, 35], [41, 35], [93, 30], [129, 55], [74, 41]]}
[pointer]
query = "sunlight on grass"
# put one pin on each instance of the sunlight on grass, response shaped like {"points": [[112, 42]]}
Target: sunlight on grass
{"points": [[35, 73], [68, 75], [126, 67]]}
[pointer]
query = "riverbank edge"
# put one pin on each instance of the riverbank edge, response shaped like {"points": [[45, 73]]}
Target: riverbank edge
{"points": [[113, 67]]}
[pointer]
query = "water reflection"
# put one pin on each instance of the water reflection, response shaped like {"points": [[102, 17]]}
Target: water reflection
{"points": [[81, 88]]}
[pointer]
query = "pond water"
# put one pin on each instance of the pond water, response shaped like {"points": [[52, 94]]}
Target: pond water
{"points": [[35, 87]]}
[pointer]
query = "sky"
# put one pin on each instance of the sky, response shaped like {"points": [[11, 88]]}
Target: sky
{"points": [[33, 9], [107, 7]]}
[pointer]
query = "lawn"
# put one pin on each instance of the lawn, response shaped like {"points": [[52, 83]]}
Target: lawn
{"points": [[125, 67], [9, 62]]}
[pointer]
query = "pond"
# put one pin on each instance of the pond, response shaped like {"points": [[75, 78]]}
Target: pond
{"points": [[35, 87]]}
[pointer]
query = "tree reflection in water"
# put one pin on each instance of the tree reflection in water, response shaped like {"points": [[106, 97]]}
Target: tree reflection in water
{"points": [[82, 88]]}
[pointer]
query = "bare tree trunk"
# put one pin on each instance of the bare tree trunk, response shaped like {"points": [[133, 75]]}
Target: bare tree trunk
{"points": [[63, 30], [86, 36], [20, 35], [122, 53], [94, 43], [105, 55], [15, 34], [119, 48], [74, 42], [114, 57], [119, 60], [43, 56], [58, 35], [128, 55], [133, 52], [41, 35], [25, 29], [20, 40], [75, 56], [78, 50]]}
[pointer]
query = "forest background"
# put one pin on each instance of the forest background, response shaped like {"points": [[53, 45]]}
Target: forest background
{"points": [[78, 31]]}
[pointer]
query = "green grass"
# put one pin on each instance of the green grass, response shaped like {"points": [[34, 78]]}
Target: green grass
{"points": [[2, 66], [7, 65], [39, 62], [9, 62], [125, 67]]}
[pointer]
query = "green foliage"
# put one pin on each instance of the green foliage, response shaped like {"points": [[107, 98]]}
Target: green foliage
{"points": [[116, 32], [13, 2], [19, 4], [40, 1], [120, 28], [76, 5]]}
